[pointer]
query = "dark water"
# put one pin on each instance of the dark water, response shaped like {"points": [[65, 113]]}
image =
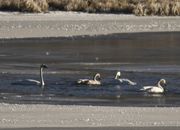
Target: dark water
{"points": [[144, 58]]}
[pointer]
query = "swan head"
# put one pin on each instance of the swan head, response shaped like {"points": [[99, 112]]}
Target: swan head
{"points": [[97, 77], [118, 75], [162, 82], [43, 66]]}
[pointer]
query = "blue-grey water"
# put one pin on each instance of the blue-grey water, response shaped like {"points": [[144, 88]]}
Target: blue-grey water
{"points": [[144, 58]]}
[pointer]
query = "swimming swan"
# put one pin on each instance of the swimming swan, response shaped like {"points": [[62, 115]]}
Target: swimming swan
{"points": [[32, 81], [159, 88], [124, 81], [95, 81]]}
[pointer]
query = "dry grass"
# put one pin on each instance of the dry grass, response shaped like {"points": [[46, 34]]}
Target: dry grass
{"points": [[57, 4], [158, 7], [24, 5], [138, 7]]}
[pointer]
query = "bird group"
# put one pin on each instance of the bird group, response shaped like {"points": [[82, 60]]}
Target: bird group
{"points": [[96, 81]]}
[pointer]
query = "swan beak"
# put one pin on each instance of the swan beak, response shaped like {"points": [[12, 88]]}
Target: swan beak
{"points": [[165, 84], [44, 66], [99, 78]]}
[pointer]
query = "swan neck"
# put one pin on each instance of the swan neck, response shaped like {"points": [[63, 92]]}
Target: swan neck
{"points": [[117, 76], [159, 85], [41, 77], [95, 78]]}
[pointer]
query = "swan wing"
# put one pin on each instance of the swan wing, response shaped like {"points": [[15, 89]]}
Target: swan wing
{"points": [[27, 82], [88, 82], [94, 82], [127, 81], [152, 89], [33, 81], [156, 90], [82, 81], [146, 88]]}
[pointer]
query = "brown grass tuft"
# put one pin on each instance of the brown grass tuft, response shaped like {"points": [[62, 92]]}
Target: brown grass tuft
{"points": [[175, 8], [76, 5], [158, 7], [57, 4], [24, 5]]}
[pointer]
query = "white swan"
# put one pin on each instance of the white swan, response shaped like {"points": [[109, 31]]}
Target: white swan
{"points": [[40, 83], [95, 81], [124, 81], [159, 88]]}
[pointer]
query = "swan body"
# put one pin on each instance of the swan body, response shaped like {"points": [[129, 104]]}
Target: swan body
{"points": [[94, 81], [40, 83], [124, 81], [35, 81], [155, 89], [27, 82]]}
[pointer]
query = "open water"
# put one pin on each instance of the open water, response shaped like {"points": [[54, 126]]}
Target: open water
{"points": [[141, 57]]}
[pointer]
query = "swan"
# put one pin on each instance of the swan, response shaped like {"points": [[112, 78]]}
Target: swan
{"points": [[95, 81], [40, 83], [158, 89], [124, 81]]}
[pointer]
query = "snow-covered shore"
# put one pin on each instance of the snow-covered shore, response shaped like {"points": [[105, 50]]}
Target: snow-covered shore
{"points": [[25, 116], [67, 24]]}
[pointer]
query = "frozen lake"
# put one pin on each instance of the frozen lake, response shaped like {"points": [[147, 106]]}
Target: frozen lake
{"points": [[142, 57]]}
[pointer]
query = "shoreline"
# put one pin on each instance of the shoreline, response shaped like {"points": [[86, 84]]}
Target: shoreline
{"points": [[94, 128], [74, 24], [89, 37], [28, 116]]}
